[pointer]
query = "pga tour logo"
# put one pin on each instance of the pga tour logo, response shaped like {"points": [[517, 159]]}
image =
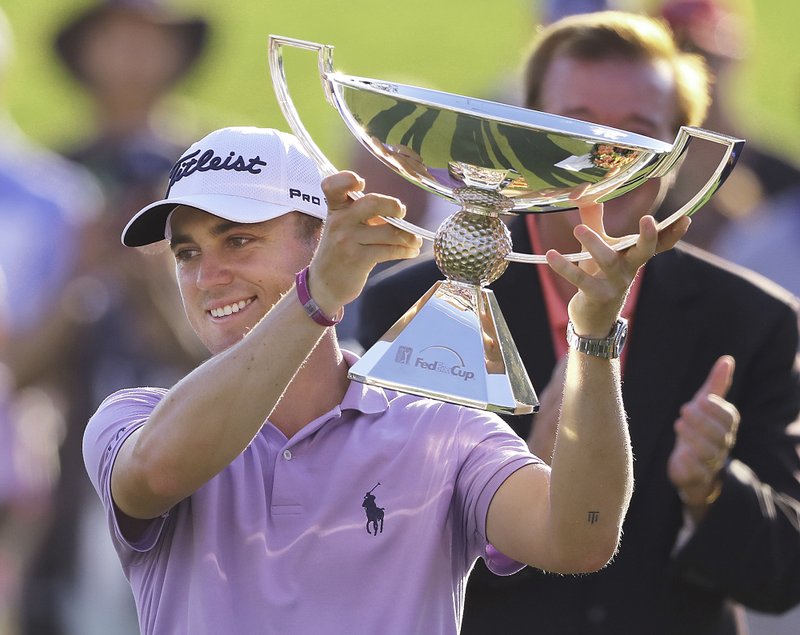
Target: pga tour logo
{"points": [[436, 359]]}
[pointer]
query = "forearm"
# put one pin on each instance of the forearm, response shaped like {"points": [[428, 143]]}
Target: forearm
{"points": [[211, 415], [591, 481]]}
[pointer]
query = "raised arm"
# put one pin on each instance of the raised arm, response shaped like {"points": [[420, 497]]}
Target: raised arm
{"points": [[569, 518], [210, 416]]}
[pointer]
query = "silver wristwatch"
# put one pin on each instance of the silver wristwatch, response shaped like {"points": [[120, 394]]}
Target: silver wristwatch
{"points": [[608, 347]]}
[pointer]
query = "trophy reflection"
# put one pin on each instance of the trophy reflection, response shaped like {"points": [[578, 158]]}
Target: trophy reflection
{"points": [[492, 160]]}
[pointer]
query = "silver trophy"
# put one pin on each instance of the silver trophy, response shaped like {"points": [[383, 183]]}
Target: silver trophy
{"points": [[492, 159]]}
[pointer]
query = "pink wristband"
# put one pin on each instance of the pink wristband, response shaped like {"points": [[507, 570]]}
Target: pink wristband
{"points": [[311, 307]]}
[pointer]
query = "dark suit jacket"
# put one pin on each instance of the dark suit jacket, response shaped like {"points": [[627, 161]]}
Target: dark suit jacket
{"points": [[691, 309]]}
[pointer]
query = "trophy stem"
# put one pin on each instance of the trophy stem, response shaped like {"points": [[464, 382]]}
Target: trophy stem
{"points": [[454, 344], [471, 244]]}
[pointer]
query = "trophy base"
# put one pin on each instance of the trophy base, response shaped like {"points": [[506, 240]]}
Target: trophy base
{"points": [[452, 345]]}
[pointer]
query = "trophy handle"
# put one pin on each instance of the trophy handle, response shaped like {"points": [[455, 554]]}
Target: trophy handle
{"points": [[325, 63], [733, 149]]}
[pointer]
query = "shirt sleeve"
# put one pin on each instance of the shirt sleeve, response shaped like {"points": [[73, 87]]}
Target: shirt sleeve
{"points": [[119, 416], [491, 451]]}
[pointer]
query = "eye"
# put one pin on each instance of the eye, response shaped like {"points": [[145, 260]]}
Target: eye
{"points": [[184, 254], [239, 241]]}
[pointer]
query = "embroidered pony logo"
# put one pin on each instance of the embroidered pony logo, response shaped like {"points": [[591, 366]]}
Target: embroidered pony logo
{"points": [[374, 513]]}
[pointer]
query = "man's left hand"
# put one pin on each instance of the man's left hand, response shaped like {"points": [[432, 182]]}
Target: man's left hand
{"points": [[705, 433], [604, 280]]}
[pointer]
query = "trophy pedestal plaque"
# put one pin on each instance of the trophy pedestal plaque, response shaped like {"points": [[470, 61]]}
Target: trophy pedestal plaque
{"points": [[453, 344], [493, 159]]}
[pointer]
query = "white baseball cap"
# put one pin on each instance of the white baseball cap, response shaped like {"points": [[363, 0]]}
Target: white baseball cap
{"points": [[243, 174]]}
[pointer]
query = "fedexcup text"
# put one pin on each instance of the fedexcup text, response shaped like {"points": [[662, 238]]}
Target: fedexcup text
{"points": [[439, 367]]}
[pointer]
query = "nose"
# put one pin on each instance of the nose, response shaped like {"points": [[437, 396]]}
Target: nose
{"points": [[213, 271]]}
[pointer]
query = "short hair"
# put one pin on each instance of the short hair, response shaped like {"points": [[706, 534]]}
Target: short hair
{"points": [[618, 34], [309, 228]]}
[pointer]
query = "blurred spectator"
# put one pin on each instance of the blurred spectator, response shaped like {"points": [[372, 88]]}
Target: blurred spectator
{"points": [[701, 533], [714, 29], [45, 202], [128, 55], [766, 241], [30, 430]]}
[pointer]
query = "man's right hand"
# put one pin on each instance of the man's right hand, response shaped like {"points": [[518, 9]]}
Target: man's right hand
{"points": [[354, 240]]}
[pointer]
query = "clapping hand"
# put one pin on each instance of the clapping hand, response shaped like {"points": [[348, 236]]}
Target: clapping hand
{"points": [[705, 434]]}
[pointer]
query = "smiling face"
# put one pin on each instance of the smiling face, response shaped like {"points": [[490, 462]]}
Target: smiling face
{"points": [[634, 95], [231, 274]]}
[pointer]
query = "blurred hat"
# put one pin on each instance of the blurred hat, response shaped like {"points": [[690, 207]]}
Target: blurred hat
{"points": [[192, 31], [241, 174], [707, 26]]}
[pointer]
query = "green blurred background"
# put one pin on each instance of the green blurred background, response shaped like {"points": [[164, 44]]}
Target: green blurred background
{"points": [[465, 46]]}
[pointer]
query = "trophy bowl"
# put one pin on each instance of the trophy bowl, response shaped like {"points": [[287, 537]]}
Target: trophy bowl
{"points": [[491, 159], [463, 148]]}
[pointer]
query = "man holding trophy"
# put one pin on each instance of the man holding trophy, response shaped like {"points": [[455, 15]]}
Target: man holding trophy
{"points": [[236, 498], [711, 384]]}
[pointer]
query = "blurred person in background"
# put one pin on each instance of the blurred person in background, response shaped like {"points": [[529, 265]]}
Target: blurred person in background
{"points": [[766, 241], [711, 386], [30, 431], [45, 204], [719, 31], [128, 57]]}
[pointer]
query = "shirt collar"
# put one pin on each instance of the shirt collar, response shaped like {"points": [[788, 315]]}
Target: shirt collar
{"points": [[363, 397]]}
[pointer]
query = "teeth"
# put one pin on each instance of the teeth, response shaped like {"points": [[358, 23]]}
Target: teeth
{"points": [[229, 308]]}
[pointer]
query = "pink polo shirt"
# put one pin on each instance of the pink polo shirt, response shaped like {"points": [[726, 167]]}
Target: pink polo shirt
{"points": [[366, 521]]}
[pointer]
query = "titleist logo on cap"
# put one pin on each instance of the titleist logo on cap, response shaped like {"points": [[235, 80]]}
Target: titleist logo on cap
{"points": [[209, 160]]}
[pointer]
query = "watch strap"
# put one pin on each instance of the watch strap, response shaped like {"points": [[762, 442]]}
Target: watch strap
{"points": [[609, 347]]}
